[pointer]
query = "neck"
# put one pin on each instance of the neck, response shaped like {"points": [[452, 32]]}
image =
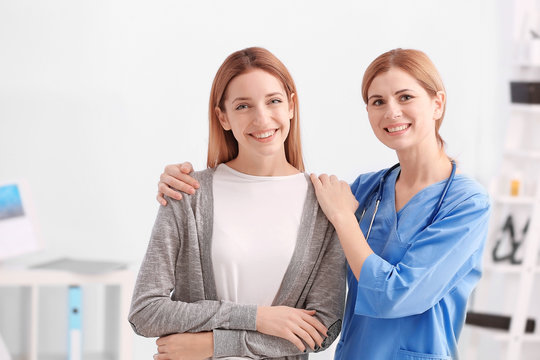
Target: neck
{"points": [[423, 168], [263, 166]]}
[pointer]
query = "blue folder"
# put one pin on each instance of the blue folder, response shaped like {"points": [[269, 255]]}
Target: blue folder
{"points": [[74, 323]]}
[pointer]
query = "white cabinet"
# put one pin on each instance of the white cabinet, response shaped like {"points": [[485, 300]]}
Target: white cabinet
{"points": [[33, 319]]}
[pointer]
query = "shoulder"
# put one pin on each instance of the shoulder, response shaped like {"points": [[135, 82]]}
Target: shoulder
{"points": [[311, 198], [466, 195], [364, 184], [188, 201], [204, 176], [464, 187], [368, 180]]}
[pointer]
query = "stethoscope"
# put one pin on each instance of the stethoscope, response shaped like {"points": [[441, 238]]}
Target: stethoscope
{"points": [[378, 192]]}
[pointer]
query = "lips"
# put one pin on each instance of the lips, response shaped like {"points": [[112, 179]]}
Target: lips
{"points": [[264, 135], [397, 128]]}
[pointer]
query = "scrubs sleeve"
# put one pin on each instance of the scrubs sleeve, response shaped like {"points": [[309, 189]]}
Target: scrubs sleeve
{"points": [[364, 185], [354, 186], [439, 258]]}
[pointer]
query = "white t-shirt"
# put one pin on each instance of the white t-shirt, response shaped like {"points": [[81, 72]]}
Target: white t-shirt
{"points": [[256, 221]]}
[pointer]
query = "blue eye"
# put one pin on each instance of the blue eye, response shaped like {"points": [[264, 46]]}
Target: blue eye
{"points": [[276, 101], [241, 107], [405, 97], [377, 102]]}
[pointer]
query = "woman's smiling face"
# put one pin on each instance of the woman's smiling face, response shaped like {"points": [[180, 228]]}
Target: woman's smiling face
{"points": [[258, 112], [401, 112]]}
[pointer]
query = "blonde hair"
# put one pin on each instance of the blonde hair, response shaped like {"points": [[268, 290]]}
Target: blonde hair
{"points": [[222, 146], [413, 62]]}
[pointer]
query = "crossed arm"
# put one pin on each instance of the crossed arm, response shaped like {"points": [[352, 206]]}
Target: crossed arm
{"points": [[280, 321]]}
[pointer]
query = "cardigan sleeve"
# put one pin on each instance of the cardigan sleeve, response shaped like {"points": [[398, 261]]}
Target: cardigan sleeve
{"points": [[153, 313], [326, 295]]}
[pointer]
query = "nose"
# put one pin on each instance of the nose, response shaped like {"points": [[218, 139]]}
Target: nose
{"points": [[261, 115], [393, 110]]}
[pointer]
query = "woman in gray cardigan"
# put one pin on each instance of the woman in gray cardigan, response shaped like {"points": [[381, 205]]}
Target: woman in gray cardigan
{"points": [[237, 270]]}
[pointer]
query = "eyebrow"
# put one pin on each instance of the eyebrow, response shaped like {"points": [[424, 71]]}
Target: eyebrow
{"points": [[396, 93], [267, 96], [403, 90]]}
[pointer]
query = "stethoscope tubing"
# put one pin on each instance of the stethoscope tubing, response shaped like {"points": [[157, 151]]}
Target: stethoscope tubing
{"points": [[378, 190]]}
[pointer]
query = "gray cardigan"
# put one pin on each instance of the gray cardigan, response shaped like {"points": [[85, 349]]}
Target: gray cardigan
{"points": [[175, 290]]}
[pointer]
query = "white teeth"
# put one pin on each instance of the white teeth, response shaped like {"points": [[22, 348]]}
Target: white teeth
{"points": [[398, 128], [264, 135]]}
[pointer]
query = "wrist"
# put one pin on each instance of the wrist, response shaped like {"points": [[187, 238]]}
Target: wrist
{"points": [[209, 343], [260, 317], [341, 220]]}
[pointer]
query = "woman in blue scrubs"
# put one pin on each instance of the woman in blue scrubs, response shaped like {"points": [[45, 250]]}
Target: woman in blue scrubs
{"points": [[413, 234], [409, 281]]}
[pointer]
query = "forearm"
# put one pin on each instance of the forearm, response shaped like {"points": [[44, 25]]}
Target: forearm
{"points": [[252, 344], [187, 346], [352, 241], [164, 316]]}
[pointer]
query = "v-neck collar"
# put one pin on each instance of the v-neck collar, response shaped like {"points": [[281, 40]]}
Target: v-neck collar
{"points": [[393, 178]]}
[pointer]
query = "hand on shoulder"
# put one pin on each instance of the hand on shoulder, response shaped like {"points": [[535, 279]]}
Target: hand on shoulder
{"points": [[175, 179]]}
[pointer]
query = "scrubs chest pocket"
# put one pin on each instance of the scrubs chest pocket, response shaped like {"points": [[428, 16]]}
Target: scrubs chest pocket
{"points": [[411, 355]]}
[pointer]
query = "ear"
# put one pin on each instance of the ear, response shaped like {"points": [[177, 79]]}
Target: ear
{"points": [[222, 117], [440, 102], [291, 106]]}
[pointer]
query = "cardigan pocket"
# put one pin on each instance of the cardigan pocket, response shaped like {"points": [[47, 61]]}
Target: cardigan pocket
{"points": [[411, 355]]}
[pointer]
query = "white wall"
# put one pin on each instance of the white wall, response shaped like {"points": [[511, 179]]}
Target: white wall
{"points": [[97, 96]]}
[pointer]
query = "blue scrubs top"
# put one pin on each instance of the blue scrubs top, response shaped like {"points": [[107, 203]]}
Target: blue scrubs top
{"points": [[410, 301]]}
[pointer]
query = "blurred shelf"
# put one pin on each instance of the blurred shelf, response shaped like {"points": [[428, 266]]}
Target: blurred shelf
{"points": [[531, 338], [517, 200], [528, 154], [502, 335], [53, 277], [86, 356], [507, 268], [495, 334], [530, 108]]}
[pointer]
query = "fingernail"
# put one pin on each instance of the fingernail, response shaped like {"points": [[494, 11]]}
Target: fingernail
{"points": [[191, 191], [197, 185]]}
